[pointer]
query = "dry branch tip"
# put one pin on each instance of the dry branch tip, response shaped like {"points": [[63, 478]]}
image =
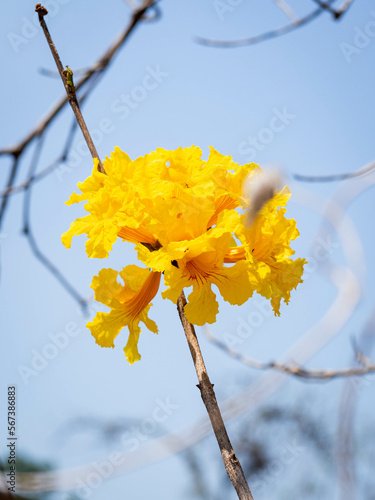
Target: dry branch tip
{"points": [[42, 11]]}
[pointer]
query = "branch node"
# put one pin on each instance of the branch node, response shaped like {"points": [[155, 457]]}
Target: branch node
{"points": [[68, 74]]}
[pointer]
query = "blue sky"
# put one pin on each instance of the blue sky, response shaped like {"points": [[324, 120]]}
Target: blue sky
{"points": [[203, 96]]}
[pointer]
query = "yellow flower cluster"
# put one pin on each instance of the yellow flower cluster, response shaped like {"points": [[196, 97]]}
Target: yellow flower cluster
{"points": [[185, 216]]}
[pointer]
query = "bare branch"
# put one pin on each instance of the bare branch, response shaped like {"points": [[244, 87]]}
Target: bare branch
{"points": [[257, 391], [90, 78], [59, 160], [11, 179], [287, 9], [295, 370], [345, 439], [30, 237], [94, 73], [99, 67], [264, 36], [296, 23], [232, 465], [335, 177], [67, 79]]}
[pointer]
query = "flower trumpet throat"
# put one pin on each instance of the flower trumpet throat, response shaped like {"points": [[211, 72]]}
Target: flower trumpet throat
{"points": [[188, 220]]}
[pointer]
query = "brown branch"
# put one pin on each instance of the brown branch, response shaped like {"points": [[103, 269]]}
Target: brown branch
{"points": [[46, 171], [91, 76], [295, 370], [64, 156], [66, 77], [232, 465], [100, 66], [94, 73], [335, 177], [264, 36]]}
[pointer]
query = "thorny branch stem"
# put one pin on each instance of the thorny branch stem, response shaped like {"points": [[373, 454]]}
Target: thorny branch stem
{"points": [[70, 90], [232, 465]]}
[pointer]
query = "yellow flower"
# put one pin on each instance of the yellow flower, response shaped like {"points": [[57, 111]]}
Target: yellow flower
{"points": [[266, 246], [155, 198], [199, 263], [129, 305], [114, 207], [184, 215]]}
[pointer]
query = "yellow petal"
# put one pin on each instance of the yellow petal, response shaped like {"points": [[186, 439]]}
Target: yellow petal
{"points": [[158, 260], [106, 326], [118, 166], [143, 296], [283, 277], [224, 202], [129, 305], [202, 306], [131, 348], [101, 239], [106, 287], [79, 226], [176, 282], [234, 283]]}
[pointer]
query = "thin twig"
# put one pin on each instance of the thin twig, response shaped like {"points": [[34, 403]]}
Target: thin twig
{"points": [[100, 66], [335, 177], [62, 158], [345, 6], [10, 182], [30, 237], [90, 77], [97, 70], [259, 390], [337, 13], [47, 170], [325, 6], [295, 370], [287, 9], [345, 443], [263, 36], [232, 465], [67, 79], [345, 439]]}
